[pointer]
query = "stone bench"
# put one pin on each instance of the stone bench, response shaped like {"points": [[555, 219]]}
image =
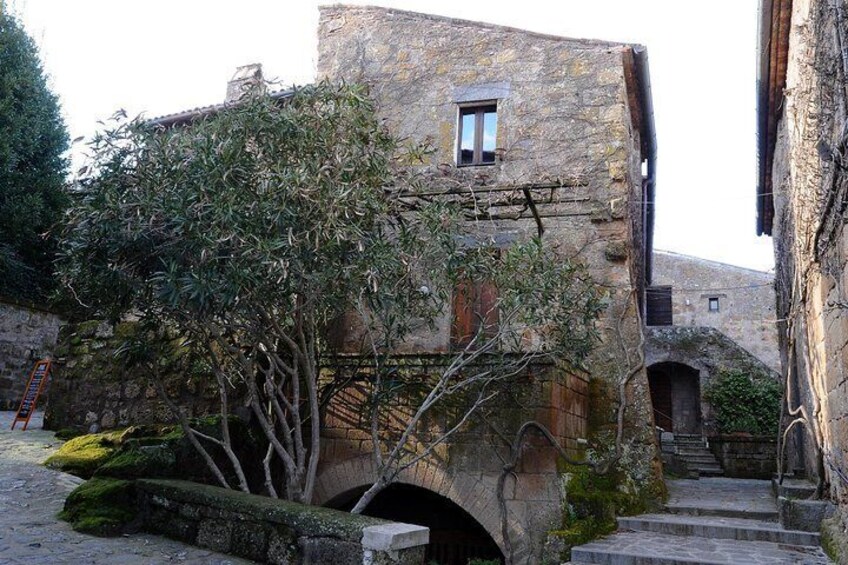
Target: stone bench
{"points": [[274, 531]]}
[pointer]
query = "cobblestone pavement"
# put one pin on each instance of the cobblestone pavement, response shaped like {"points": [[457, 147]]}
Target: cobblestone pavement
{"points": [[30, 497]]}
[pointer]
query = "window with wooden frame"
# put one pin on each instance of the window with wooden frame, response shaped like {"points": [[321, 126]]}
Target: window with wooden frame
{"points": [[477, 135], [475, 312]]}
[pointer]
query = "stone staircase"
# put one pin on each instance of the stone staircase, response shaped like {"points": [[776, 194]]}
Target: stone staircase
{"points": [[712, 521], [692, 450]]}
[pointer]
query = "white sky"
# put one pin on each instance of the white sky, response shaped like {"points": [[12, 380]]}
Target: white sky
{"points": [[162, 56]]}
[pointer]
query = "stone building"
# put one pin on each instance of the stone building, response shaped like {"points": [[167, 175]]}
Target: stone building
{"points": [[738, 302], [539, 135], [568, 121], [705, 318], [801, 201]]}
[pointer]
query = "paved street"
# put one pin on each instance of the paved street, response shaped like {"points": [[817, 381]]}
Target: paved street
{"points": [[30, 497]]}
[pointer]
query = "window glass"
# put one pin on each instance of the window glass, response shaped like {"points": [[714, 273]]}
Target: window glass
{"points": [[466, 147], [490, 130], [713, 304]]}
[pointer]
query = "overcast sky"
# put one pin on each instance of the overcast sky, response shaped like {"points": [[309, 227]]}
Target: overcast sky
{"points": [[162, 56]]}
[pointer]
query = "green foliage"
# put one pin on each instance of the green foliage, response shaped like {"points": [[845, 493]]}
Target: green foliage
{"points": [[745, 404], [101, 507], [32, 167]]}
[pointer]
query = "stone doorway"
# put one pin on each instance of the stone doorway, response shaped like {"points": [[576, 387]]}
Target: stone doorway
{"points": [[676, 397], [455, 536]]}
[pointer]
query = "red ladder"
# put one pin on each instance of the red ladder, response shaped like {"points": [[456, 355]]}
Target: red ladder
{"points": [[37, 379]]}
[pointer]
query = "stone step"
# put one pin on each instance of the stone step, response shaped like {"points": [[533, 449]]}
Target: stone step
{"points": [[649, 548], [717, 527], [708, 470], [707, 458], [724, 511], [794, 488]]}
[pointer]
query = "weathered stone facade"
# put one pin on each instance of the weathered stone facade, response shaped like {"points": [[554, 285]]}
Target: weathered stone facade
{"points": [[744, 299], [803, 192], [26, 335], [571, 129]]}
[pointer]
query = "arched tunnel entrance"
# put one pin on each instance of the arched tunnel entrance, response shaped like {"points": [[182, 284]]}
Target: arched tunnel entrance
{"points": [[676, 397], [455, 536]]}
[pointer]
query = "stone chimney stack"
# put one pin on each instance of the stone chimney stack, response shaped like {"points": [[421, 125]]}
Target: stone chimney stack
{"points": [[246, 79]]}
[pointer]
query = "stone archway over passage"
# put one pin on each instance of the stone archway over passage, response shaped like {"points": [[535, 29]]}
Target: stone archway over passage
{"points": [[455, 536], [340, 484], [676, 397]]}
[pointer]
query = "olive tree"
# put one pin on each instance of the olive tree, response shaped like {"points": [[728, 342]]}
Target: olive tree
{"points": [[249, 235]]}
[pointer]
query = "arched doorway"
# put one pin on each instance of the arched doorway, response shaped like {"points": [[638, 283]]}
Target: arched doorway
{"points": [[676, 397], [455, 536]]}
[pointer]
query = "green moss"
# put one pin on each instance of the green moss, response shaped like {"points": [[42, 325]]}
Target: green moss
{"points": [[87, 329], [834, 540], [101, 507], [137, 461], [592, 502], [68, 433], [82, 455]]}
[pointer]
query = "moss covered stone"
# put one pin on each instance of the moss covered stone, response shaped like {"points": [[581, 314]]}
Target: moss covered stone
{"points": [[139, 461], [101, 507], [592, 502], [82, 455], [314, 521]]}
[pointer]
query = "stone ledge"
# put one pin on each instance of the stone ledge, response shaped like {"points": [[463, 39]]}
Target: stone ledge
{"points": [[393, 537], [301, 519]]}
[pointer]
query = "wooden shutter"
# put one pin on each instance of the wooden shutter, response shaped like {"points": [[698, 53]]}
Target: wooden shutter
{"points": [[475, 305], [658, 306], [462, 328]]}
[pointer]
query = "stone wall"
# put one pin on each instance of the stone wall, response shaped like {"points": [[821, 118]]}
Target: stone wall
{"points": [[274, 531], [746, 457], [810, 187], [93, 390], [566, 132], [27, 334], [746, 301], [811, 242]]}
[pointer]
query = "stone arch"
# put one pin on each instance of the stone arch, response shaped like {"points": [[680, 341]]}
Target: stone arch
{"points": [[676, 396], [477, 497]]}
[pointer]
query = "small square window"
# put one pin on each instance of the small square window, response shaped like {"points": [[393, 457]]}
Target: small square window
{"points": [[477, 135], [713, 304]]}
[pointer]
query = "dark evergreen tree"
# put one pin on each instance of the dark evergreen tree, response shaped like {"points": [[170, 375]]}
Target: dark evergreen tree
{"points": [[33, 140]]}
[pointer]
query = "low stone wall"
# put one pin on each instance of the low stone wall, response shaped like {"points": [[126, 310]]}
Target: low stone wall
{"points": [[274, 531], [92, 389], [27, 334], [746, 457]]}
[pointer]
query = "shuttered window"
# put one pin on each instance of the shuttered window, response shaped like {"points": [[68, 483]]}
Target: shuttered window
{"points": [[475, 309], [658, 306]]}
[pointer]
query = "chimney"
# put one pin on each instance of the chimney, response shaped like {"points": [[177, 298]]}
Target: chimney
{"points": [[246, 79]]}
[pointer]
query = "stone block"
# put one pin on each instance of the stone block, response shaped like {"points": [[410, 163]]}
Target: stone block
{"points": [[392, 537], [249, 539], [320, 551], [215, 535], [804, 515]]}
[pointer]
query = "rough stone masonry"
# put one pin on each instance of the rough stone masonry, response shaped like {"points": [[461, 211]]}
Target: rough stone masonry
{"points": [[571, 129]]}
